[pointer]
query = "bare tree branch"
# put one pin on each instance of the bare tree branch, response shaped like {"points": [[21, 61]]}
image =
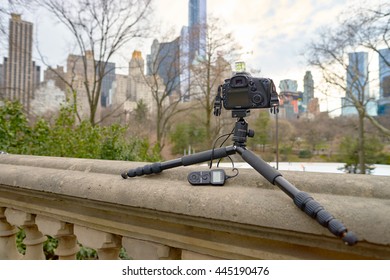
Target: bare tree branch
{"points": [[210, 71], [336, 54], [100, 28]]}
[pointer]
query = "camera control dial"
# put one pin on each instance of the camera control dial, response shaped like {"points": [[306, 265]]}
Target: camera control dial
{"points": [[257, 99]]}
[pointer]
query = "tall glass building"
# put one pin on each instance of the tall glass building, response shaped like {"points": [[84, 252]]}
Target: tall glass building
{"points": [[357, 84], [192, 43], [108, 79], [197, 21], [384, 82], [357, 74], [164, 61]]}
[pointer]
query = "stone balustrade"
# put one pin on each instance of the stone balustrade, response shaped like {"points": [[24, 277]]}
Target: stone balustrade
{"points": [[86, 202]]}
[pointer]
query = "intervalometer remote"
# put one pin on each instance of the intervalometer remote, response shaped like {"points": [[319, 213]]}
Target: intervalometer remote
{"points": [[212, 177]]}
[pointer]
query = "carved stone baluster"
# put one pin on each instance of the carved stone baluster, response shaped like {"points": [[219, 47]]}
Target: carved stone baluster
{"points": [[106, 244], [34, 238], [146, 250], [67, 242], [8, 250]]}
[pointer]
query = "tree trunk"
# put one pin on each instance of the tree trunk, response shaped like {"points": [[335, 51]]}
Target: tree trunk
{"points": [[361, 153]]}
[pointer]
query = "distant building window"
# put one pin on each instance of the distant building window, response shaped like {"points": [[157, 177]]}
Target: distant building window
{"points": [[386, 86]]}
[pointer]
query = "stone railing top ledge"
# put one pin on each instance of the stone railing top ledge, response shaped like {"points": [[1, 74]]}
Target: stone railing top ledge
{"points": [[336, 184], [361, 202]]}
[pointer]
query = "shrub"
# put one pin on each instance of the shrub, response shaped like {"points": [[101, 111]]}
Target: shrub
{"points": [[305, 154]]}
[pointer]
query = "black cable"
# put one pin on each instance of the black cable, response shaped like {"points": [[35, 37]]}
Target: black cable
{"points": [[234, 169], [215, 142], [231, 160]]}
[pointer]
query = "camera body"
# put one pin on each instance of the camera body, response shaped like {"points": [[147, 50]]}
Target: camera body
{"points": [[243, 91]]}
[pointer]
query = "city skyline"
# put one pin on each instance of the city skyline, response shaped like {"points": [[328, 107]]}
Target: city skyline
{"points": [[271, 35], [258, 29]]}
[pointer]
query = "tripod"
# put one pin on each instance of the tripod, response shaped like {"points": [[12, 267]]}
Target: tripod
{"points": [[301, 199]]}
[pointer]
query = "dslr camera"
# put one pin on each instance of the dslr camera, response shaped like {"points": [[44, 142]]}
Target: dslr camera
{"points": [[242, 91]]}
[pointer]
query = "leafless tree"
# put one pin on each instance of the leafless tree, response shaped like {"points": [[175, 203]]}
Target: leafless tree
{"points": [[334, 54], [210, 71], [159, 87], [5, 11], [100, 28], [370, 29], [3, 15]]}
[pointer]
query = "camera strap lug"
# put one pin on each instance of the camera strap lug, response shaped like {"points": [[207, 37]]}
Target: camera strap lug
{"points": [[218, 102]]}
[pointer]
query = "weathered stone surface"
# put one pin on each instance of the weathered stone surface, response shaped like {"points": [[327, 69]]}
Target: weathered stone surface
{"points": [[34, 238], [144, 250], [7, 238], [67, 247]]}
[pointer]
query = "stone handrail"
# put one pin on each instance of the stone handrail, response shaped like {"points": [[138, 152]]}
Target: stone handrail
{"points": [[82, 201]]}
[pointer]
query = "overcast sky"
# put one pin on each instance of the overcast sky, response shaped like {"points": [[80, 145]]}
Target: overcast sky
{"points": [[273, 33]]}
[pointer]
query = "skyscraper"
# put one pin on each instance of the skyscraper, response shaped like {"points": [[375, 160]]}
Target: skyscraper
{"points": [[164, 60], [357, 81], [2, 93], [384, 82], [136, 85], [197, 20], [108, 79], [192, 43], [310, 104], [290, 99], [146, 88], [308, 87], [21, 75], [185, 63], [357, 74], [82, 74]]}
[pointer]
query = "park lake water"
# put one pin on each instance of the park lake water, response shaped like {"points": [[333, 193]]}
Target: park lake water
{"points": [[325, 167]]}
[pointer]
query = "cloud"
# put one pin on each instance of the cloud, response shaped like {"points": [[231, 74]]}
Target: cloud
{"points": [[282, 32], [273, 33], [170, 14]]}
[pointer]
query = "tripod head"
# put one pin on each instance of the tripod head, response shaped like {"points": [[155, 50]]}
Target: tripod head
{"points": [[241, 132]]}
